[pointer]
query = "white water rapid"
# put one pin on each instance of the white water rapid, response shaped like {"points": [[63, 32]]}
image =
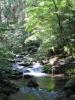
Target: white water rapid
{"points": [[36, 69]]}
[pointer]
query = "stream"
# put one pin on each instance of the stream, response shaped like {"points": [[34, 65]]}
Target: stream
{"points": [[50, 88]]}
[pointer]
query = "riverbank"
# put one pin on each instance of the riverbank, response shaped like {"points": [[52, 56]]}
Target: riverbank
{"points": [[51, 82]]}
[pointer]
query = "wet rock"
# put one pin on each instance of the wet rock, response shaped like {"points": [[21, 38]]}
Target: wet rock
{"points": [[45, 61], [72, 97], [52, 61], [18, 60], [19, 56], [28, 76], [32, 83], [69, 87], [14, 75], [11, 60], [3, 96], [25, 64], [7, 88]]}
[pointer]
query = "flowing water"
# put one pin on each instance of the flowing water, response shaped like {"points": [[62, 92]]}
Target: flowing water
{"points": [[49, 87]]}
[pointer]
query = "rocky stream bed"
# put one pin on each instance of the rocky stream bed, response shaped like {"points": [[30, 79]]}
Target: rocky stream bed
{"points": [[15, 86]]}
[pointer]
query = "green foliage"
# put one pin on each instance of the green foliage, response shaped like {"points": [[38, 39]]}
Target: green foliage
{"points": [[52, 21], [47, 69], [32, 44], [4, 64], [12, 29]]}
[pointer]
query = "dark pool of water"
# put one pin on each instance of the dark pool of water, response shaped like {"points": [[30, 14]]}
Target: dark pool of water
{"points": [[49, 89]]}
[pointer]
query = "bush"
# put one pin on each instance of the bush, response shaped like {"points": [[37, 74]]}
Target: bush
{"points": [[47, 69]]}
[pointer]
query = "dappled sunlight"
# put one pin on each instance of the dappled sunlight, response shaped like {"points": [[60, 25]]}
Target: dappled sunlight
{"points": [[37, 49]]}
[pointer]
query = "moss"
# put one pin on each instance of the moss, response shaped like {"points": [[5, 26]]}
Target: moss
{"points": [[4, 63], [47, 69]]}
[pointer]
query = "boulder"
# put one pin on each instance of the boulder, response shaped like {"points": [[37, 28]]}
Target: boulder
{"points": [[19, 56], [7, 88], [14, 75], [25, 64], [69, 87], [11, 60], [32, 83], [28, 76], [4, 96], [72, 97]]}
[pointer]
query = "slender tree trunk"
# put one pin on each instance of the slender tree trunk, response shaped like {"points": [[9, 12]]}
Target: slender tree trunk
{"points": [[69, 44], [61, 28], [59, 22]]}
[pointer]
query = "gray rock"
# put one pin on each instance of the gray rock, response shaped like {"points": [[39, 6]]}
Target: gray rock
{"points": [[32, 83], [69, 87]]}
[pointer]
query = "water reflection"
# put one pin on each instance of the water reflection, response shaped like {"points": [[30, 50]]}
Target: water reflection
{"points": [[46, 90], [40, 93], [47, 85]]}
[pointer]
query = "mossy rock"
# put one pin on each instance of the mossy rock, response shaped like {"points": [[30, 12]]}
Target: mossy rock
{"points": [[3, 96], [69, 87], [32, 83]]}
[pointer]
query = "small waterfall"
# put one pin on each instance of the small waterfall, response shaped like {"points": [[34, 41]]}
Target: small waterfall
{"points": [[36, 69]]}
